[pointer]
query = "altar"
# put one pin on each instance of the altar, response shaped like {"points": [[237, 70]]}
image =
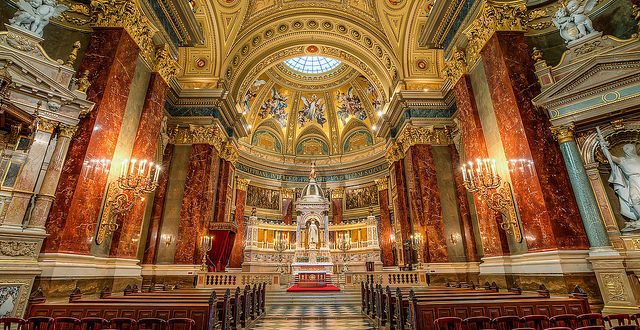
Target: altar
{"points": [[312, 279]]}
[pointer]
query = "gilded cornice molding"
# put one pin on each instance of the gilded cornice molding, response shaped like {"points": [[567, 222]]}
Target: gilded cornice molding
{"points": [[230, 153], [394, 153], [493, 17], [415, 135], [126, 14], [382, 183], [242, 183], [337, 193], [164, 64], [287, 193], [193, 134], [563, 133]]}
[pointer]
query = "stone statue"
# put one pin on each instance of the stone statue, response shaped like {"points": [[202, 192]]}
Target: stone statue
{"points": [[34, 15], [572, 20], [313, 234], [625, 178], [313, 175]]}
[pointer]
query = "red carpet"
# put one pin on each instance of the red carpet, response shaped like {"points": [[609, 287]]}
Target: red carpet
{"points": [[329, 287]]}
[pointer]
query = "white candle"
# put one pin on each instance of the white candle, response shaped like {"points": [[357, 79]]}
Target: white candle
{"points": [[464, 173], [157, 174]]}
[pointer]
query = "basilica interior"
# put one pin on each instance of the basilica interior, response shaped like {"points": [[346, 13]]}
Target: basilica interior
{"points": [[335, 164]]}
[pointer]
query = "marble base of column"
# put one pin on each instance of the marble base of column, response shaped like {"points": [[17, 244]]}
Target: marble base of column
{"points": [[619, 294]]}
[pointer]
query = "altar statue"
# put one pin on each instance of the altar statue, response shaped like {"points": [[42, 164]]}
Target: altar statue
{"points": [[313, 174], [313, 233], [34, 15], [625, 178], [572, 20]]}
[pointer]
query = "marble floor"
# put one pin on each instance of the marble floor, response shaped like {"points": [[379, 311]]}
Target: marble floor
{"points": [[286, 317]]}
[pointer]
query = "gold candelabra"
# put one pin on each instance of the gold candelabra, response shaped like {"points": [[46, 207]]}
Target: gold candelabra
{"points": [[482, 178], [344, 244], [206, 244], [136, 179], [280, 245], [416, 243]]}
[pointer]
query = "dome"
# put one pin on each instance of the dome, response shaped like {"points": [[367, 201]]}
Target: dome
{"points": [[312, 190]]}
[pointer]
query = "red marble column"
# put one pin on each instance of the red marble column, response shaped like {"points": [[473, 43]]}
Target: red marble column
{"points": [[337, 197], [287, 211], [424, 197], [494, 240], [111, 60], [237, 253], [466, 224], [197, 204], [222, 209], [400, 199], [547, 206], [224, 235], [386, 245], [124, 243], [157, 212]]}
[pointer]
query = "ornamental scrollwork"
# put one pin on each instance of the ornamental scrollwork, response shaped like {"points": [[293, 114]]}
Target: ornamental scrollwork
{"points": [[18, 248]]}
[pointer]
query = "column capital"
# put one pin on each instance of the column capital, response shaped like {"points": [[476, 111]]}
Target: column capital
{"points": [[563, 133], [164, 64], [230, 153], [337, 193], [382, 183], [415, 135], [242, 183], [68, 131], [45, 125], [128, 15], [287, 193], [456, 66], [394, 153], [194, 134]]}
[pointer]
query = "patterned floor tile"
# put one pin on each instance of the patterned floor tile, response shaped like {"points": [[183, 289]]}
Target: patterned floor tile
{"points": [[285, 317]]}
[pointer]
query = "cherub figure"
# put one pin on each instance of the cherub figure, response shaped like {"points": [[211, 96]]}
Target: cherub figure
{"points": [[578, 12], [564, 23], [25, 15], [34, 15]]}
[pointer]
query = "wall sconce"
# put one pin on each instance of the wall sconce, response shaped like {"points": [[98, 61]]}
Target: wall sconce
{"points": [[136, 178], [167, 239], [481, 177]]}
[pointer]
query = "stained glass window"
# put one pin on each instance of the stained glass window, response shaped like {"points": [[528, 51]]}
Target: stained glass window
{"points": [[312, 64]]}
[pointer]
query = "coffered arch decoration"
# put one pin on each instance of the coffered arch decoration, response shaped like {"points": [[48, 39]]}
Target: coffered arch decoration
{"points": [[331, 37]]}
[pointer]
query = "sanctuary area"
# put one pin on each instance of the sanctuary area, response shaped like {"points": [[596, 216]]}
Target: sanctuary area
{"points": [[319, 164]]}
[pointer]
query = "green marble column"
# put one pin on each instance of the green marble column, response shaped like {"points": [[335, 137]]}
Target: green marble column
{"points": [[586, 199]]}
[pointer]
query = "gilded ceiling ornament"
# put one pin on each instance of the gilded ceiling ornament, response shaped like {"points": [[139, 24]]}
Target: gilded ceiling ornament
{"points": [[125, 14], [164, 64]]}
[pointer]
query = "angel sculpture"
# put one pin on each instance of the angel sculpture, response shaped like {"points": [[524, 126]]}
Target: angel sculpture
{"points": [[313, 109], [34, 15], [572, 20]]}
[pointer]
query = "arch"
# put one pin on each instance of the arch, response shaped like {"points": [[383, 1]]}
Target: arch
{"points": [[352, 125], [313, 130], [614, 135], [266, 139], [357, 140], [312, 146]]}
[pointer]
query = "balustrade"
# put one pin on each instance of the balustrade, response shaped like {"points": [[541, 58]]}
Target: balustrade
{"points": [[231, 280]]}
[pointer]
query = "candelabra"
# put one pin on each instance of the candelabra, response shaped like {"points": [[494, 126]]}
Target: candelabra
{"points": [[344, 245], [482, 178], [280, 245], [206, 244], [416, 244], [136, 179]]}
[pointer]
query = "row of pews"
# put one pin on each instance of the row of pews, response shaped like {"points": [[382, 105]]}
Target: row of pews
{"points": [[234, 310], [403, 308]]}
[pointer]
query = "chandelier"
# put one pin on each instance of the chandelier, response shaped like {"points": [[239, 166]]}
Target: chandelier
{"points": [[136, 178], [482, 178]]}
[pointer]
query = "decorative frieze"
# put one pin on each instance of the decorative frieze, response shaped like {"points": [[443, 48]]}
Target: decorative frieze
{"points": [[415, 135], [193, 134], [18, 249]]}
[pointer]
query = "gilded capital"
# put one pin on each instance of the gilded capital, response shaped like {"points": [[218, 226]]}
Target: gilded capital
{"points": [[394, 153], [230, 153], [382, 184], [563, 133], [242, 183], [164, 64], [337, 193], [287, 193], [128, 15], [45, 125], [456, 66], [67, 130], [194, 134], [415, 135]]}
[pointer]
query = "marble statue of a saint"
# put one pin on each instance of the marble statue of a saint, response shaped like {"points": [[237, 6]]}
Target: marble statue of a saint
{"points": [[313, 174], [34, 15], [625, 178], [313, 233]]}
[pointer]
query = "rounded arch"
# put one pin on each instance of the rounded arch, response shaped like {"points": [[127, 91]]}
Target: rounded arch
{"points": [[331, 36], [312, 130], [352, 125], [630, 133]]}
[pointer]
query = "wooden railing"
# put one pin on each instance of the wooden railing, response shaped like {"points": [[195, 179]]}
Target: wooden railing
{"points": [[396, 279], [232, 280]]}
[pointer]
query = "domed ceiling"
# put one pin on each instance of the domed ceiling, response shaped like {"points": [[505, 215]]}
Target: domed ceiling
{"points": [[311, 106]]}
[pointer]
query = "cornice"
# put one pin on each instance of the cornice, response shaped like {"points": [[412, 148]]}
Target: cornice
{"points": [[195, 134], [413, 135]]}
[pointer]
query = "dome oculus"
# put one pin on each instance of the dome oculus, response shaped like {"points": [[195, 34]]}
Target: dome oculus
{"points": [[312, 64]]}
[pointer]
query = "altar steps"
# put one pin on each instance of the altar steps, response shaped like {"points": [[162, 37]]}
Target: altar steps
{"points": [[349, 297]]}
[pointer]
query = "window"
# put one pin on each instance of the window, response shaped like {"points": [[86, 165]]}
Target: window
{"points": [[312, 64]]}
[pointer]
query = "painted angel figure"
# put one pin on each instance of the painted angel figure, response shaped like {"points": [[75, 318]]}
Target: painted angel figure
{"points": [[275, 106], [351, 106], [34, 15], [313, 109]]}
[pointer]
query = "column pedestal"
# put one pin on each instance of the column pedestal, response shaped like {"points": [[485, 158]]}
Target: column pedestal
{"points": [[620, 296]]}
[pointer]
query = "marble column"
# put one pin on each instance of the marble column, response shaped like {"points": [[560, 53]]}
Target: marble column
{"points": [[110, 59], [237, 252], [157, 211], [386, 230], [494, 240], [52, 176], [337, 198], [424, 197], [466, 223], [287, 205], [400, 199], [585, 198], [125, 240], [28, 177], [547, 208], [224, 192], [197, 204]]}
